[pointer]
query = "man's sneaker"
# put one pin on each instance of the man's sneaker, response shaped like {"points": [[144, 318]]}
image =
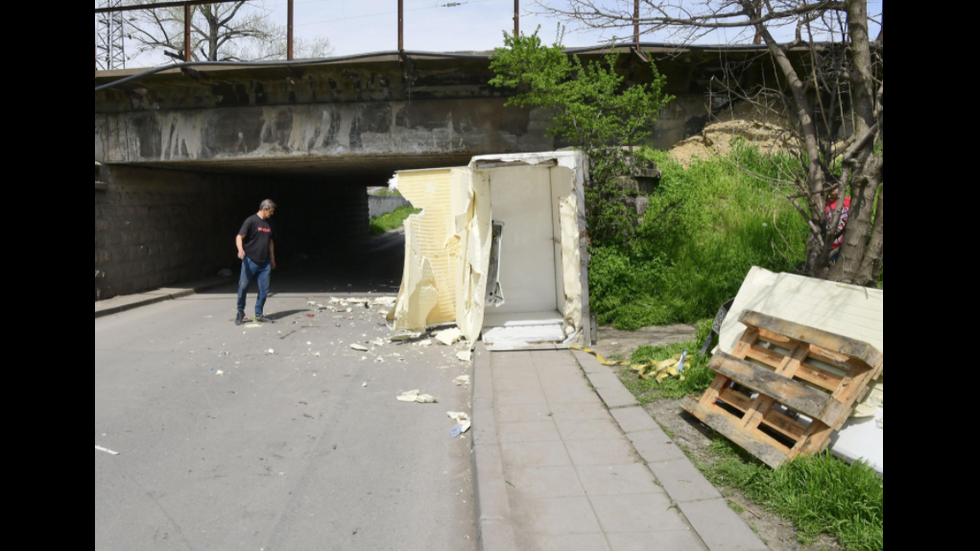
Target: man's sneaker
{"points": [[262, 319], [240, 318]]}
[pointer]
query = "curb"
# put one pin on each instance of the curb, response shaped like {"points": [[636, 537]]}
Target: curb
{"points": [[494, 528], [155, 299], [720, 528]]}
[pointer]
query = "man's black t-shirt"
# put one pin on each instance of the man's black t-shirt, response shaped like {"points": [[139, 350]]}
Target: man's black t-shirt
{"points": [[257, 235]]}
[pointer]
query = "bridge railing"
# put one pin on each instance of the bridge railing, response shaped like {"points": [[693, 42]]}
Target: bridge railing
{"points": [[290, 16]]}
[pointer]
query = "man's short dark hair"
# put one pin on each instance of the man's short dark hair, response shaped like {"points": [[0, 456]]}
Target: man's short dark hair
{"points": [[268, 204]]}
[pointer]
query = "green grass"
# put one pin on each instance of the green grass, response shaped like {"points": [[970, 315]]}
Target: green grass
{"points": [[388, 222], [686, 263], [821, 494], [697, 376]]}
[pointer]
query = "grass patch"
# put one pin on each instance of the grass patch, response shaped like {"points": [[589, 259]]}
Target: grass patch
{"points": [[705, 228], [392, 221], [697, 376], [819, 494]]}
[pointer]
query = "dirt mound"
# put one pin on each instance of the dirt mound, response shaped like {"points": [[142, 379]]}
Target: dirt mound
{"points": [[716, 140]]}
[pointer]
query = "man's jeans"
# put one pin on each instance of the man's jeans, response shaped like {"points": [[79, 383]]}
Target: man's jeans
{"points": [[251, 271]]}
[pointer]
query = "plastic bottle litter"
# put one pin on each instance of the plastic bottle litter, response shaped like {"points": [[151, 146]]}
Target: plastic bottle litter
{"points": [[680, 364]]}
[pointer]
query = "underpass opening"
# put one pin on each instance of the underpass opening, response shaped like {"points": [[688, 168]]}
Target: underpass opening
{"points": [[160, 225]]}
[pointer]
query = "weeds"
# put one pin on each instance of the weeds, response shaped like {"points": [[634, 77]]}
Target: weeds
{"points": [[705, 228], [697, 376], [821, 494], [394, 220]]}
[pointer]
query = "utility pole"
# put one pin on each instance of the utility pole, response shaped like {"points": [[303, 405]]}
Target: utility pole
{"points": [[401, 26], [112, 36], [517, 18], [289, 32]]}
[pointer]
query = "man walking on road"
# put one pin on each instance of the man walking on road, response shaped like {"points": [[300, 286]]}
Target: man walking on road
{"points": [[257, 250]]}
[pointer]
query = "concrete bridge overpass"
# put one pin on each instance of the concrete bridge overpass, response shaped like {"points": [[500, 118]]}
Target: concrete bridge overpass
{"points": [[188, 153]]}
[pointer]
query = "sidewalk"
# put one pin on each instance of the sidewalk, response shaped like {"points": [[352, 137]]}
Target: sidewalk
{"points": [[559, 468], [123, 303]]}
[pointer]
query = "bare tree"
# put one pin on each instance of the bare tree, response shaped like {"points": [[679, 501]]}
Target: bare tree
{"points": [[830, 86], [237, 31]]}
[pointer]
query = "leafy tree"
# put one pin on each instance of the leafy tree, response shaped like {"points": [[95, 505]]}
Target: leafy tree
{"points": [[593, 109], [831, 85]]}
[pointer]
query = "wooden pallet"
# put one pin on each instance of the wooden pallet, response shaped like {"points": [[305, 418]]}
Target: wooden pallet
{"points": [[796, 372]]}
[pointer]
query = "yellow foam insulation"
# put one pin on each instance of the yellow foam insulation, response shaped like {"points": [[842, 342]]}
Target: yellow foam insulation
{"points": [[432, 251], [571, 263], [473, 218], [855, 312], [419, 294]]}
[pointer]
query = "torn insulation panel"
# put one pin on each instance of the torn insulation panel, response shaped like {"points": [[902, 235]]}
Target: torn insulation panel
{"points": [[543, 259], [432, 251], [571, 263], [474, 226]]}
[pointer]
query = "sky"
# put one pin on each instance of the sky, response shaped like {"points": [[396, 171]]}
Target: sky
{"points": [[364, 26]]}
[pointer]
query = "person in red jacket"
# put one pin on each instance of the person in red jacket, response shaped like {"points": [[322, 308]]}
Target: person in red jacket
{"points": [[831, 210]]}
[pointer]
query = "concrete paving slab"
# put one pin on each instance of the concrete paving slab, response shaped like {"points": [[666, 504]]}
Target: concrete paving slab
{"points": [[614, 480], [491, 493], [604, 380], [521, 397], [590, 429], [549, 359], [604, 452], [482, 377], [655, 447], [578, 412], [681, 540], [571, 395], [564, 381], [634, 420], [683, 481], [638, 513], [616, 397], [578, 542], [535, 454], [522, 412], [561, 516], [496, 535], [589, 364], [720, 528], [545, 482], [512, 383], [533, 431], [484, 422]]}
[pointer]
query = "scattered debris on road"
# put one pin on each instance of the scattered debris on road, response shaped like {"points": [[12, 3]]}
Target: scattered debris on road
{"points": [[406, 337], [465, 356], [108, 451], [462, 380], [219, 373], [449, 337], [463, 423], [414, 396], [358, 347]]}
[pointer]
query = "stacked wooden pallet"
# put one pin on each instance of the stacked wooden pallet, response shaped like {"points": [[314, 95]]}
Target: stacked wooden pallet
{"points": [[786, 388]]}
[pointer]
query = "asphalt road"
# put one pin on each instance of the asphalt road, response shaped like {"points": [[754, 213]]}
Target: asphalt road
{"points": [[287, 450]]}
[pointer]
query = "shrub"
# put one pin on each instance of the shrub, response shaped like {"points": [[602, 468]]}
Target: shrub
{"points": [[705, 228]]}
